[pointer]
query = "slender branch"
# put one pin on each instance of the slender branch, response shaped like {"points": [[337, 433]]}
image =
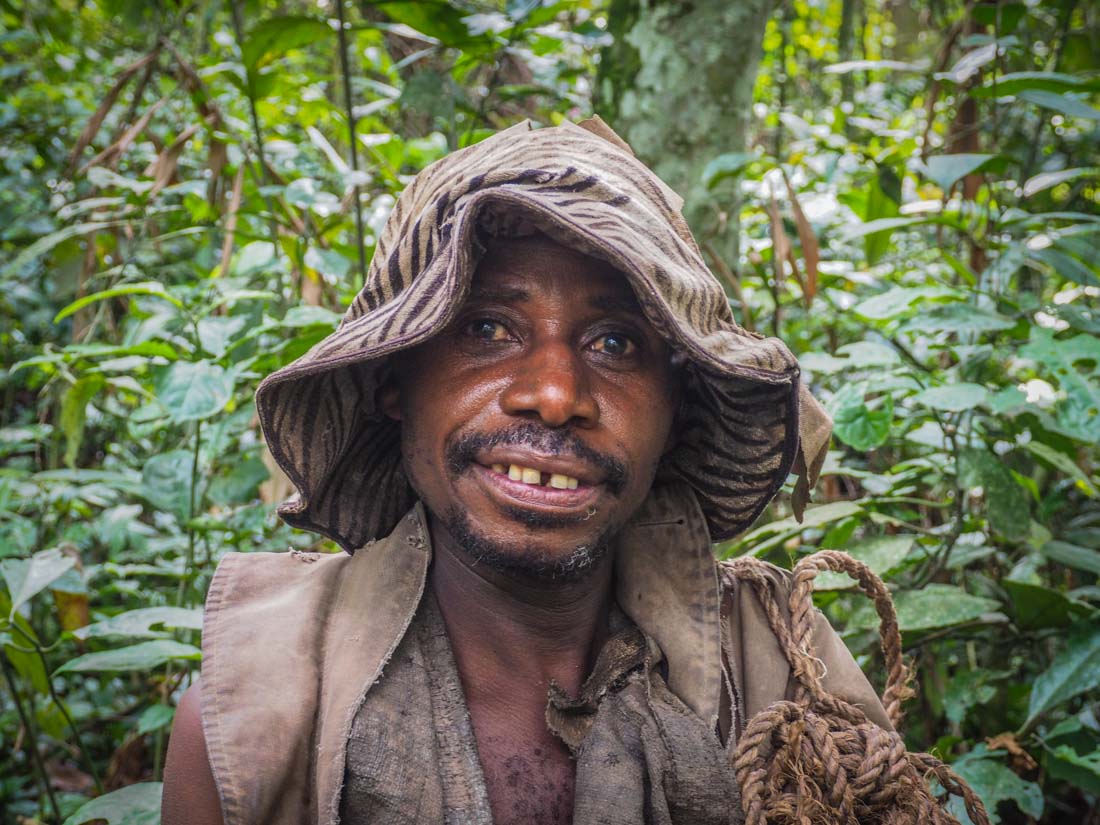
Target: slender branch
{"points": [[345, 70], [250, 86], [32, 743]]}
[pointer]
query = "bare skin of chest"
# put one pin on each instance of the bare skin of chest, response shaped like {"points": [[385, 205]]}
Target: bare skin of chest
{"points": [[529, 774]]}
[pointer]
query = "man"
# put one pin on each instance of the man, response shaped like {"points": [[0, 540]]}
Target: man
{"points": [[527, 432]]}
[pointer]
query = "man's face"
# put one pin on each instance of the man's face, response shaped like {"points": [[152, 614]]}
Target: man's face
{"points": [[533, 426]]}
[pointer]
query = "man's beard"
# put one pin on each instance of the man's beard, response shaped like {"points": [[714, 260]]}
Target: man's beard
{"points": [[525, 562], [513, 557]]}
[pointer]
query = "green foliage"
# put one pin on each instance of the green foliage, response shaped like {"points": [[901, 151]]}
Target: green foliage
{"points": [[181, 213]]}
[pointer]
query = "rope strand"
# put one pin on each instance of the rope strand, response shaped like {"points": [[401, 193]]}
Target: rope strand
{"points": [[818, 760]]}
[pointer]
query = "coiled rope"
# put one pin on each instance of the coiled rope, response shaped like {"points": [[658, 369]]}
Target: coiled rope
{"points": [[817, 759]]}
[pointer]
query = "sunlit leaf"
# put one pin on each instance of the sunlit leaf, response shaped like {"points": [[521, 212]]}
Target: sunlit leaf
{"points": [[133, 805], [1006, 502], [953, 397], [26, 578], [144, 288], [142, 656], [995, 783], [934, 606], [139, 623], [883, 554], [273, 37], [1075, 670], [194, 390], [945, 170], [1063, 103]]}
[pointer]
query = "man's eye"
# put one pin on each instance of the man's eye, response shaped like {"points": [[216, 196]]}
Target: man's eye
{"points": [[486, 329], [614, 343]]}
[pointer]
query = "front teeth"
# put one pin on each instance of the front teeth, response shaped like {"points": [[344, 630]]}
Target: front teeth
{"points": [[529, 475]]}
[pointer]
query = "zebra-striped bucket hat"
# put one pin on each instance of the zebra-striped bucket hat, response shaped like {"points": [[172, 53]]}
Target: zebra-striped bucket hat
{"points": [[747, 422]]}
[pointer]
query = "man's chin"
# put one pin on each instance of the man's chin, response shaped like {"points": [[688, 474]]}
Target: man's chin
{"points": [[523, 557]]}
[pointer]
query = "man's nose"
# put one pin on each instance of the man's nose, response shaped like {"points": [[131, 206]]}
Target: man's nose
{"points": [[552, 383]]}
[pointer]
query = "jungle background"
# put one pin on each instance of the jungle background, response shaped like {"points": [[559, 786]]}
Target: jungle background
{"points": [[905, 191]]}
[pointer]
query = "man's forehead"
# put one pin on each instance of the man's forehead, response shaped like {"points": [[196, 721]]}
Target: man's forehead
{"points": [[517, 270]]}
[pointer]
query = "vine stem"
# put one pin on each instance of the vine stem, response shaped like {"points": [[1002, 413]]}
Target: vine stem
{"points": [[41, 653], [32, 744], [258, 136], [342, 37]]}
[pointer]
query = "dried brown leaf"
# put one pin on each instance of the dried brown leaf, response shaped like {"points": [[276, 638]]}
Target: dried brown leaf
{"points": [[111, 155], [108, 102], [781, 246], [808, 241], [231, 220], [163, 168]]}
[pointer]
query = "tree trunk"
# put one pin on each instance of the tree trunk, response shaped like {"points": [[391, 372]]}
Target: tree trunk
{"points": [[677, 85]]}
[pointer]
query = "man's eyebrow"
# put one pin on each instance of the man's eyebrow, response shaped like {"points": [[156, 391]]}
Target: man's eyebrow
{"points": [[501, 294], [626, 304]]}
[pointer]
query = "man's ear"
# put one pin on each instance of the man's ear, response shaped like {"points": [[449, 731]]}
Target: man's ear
{"points": [[388, 397]]}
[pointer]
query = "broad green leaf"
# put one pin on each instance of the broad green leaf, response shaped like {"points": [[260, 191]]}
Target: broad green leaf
{"points": [[217, 331], [729, 165], [15, 641], [898, 301], [240, 484], [857, 355], [1065, 463], [1082, 770], [107, 178], [144, 288], [155, 717], [883, 554], [934, 606], [1014, 83], [437, 19], [967, 689], [1045, 180], [1071, 555], [945, 170], [1078, 414], [133, 805], [1075, 670], [148, 349], [1035, 607], [142, 656], [139, 623], [885, 225], [858, 424], [958, 318], [332, 266], [48, 242], [166, 482], [194, 390], [1007, 503], [954, 397], [254, 257], [995, 783], [272, 38], [875, 65], [766, 536], [74, 405], [26, 578], [971, 63], [1066, 266], [1064, 103]]}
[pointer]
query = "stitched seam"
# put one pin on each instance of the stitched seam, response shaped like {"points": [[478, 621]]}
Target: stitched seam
{"points": [[212, 723]]}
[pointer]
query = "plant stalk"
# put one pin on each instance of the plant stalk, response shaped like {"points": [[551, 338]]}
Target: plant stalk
{"points": [[345, 71]]}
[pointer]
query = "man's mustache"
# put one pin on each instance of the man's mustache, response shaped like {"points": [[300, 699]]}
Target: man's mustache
{"points": [[463, 451]]}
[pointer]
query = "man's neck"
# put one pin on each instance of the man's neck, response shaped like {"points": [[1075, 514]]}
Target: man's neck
{"points": [[507, 630]]}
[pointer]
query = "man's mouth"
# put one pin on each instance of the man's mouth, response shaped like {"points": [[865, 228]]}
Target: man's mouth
{"points": [[532, 475]]}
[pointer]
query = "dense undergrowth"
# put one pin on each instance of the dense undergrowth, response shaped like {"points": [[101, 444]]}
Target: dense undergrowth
{"points": [[920, 222]]}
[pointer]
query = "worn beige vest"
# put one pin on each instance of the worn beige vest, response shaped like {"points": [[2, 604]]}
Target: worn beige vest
{"points": [[294, 643]]}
